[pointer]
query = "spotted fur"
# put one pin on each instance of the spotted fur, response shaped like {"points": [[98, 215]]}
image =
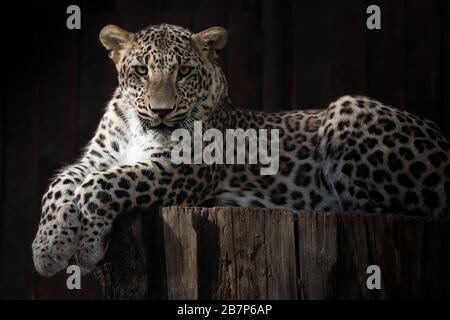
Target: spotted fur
{"points": [[357, 155]]}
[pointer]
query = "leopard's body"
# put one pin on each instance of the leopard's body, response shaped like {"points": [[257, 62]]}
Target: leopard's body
{"points": [[356, 155]]}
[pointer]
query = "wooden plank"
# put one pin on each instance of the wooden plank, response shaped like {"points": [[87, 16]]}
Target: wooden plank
{"points": [[387, 55], [135, 15], [176, 12], [279, 239], [250, 253], [248, 236], [277, 58], [98, 77], [353, 250], [264, 250], [410, 246], [244, 54], [181, 246], [4, 102], [333, 256], [208, 13], [229, 253], [349, 48], [134, 267], [399, 260], [436, 241], [317, 249], [20, 115], [444, 111], [227, 279], [312, 78], [336, 249], [422, 45], [375, 240]]}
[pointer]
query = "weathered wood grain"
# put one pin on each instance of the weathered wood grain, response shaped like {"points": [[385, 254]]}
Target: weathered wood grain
{"points": [[250, 253], [229, 253], [336, 249], [317, 249], [134, 266]]}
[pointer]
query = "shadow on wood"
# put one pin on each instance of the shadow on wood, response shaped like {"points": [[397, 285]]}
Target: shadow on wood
{"points": [[250, 253], [134, 265]]}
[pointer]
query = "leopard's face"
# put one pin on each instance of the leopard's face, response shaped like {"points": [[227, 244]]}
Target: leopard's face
{"points": [[167, 74]]}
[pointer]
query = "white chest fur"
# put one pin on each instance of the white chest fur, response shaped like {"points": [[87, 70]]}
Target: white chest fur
{"points": [[142, 145]]}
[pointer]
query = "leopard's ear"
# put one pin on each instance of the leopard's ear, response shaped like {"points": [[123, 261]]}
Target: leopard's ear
{"points": [[210, 41], [116, 40]]}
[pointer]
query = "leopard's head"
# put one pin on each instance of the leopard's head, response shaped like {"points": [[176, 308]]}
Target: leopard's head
{"points": [[167, 74]]}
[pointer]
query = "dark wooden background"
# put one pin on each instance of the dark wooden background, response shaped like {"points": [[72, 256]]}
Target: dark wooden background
{"points": [[281, 55]]}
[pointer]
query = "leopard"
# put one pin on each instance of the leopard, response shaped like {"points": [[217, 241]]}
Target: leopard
{"points": [[356, 155]]}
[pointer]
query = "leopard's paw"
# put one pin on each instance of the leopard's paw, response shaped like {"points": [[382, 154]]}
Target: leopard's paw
{"points": [[92, 246], [56, 240], [52, 252]]}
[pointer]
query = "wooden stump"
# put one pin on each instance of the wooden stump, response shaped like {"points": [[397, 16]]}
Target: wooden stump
{"points": [[134, 266], [250, 253]]}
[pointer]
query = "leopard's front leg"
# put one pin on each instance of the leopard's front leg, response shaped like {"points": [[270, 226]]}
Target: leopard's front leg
{"points": [[56, 239], [103, 196]]}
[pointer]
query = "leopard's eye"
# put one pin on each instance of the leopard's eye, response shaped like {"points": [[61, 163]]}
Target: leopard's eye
{"points": [[184, 71], [141, 70]]}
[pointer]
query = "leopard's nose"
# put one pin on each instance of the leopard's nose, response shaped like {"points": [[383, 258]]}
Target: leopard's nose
{"points": [[162, 112]]}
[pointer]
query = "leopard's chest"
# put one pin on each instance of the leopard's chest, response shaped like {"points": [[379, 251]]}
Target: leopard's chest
{"points": [[138, 149], [142, 146]]}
